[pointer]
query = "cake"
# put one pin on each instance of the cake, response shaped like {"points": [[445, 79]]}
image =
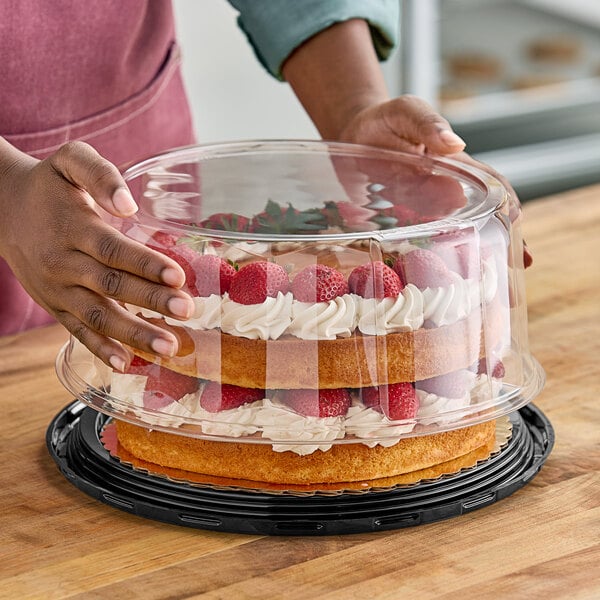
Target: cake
{"points": [[358, 318], [318, 364]]}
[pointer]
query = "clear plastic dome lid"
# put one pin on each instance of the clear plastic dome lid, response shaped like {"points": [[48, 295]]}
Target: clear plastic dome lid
{"points": [[344, 294]]}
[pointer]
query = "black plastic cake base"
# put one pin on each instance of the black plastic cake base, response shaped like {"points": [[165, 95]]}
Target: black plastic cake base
{"points": [[73, 439]]}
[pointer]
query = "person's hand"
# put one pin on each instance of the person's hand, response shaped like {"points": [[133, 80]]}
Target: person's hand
{"points": [[77, 266], [406, 123], [410, 124]]}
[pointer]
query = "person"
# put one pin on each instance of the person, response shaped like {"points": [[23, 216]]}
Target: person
{"points": [[89, 86]]}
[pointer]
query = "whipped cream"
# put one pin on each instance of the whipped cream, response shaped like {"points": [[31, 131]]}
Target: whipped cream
{"points": [[280, 423], [367, 423], [129, 388], [343, 315], [290, 431], [325, 320], [390, 315], [207, 313], [447, 305], [235, 422], [268, 320]]}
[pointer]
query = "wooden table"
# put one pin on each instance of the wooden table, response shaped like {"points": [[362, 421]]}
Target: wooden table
{"points": [[541, 542]]}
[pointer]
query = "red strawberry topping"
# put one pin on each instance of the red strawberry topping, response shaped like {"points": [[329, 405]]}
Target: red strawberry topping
{"points": [[257, 281], [375, 280], [318, 283], [213, 275], [498, 371], [161, 240], [460, 252], [227, 222], [165, 386], [397, 401], [450, 385], [139, 366], [217, 397], [318, 403], [423, 268], [184, 256]]}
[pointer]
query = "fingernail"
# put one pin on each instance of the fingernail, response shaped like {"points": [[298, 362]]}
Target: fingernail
{"points": [[451, 139], [172, 277], [117, 363], [181, 307], [164, 347], [123, 201]]}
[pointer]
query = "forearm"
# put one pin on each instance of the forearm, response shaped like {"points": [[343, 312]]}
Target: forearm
{"points": [[335, 74], [12, 161]]}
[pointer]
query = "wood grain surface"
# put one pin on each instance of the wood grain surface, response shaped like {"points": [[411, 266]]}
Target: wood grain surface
{"points": [[541, 542]]}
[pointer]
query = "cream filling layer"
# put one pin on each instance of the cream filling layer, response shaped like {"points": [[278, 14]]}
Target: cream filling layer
{"points": [[290, 431], [343, 315]]}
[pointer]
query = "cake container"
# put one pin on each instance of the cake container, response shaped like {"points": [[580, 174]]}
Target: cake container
{"points": [[451, 322]]}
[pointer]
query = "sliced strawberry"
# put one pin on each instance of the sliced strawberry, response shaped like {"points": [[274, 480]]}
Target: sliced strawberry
{"points": [[217, 397], [165, 386], [213, 275], [450, 385], [318, 283], [318, 403], [423, 268], [397, 401], [375, 280], [257, 281]]}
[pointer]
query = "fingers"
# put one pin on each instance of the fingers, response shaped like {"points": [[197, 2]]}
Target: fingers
{"points": [[80, 164], [111, 248], [98, 323], [414, 120], [407, 123], [123, 286]]}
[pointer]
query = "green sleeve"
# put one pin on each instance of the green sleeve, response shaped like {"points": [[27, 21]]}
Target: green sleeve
{"points": [[275, 28]]}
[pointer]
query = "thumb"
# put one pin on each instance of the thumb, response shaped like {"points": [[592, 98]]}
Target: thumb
{"points": [[413, 119], [81, 165]]}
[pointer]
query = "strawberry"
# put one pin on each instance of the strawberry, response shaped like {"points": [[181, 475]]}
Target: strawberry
{"points": [[318, 403], [165, 386], [375, 280], [423, 268], [450, 385], [318, 283], [161, 240], [139, 366], [498, 371], [222, 396], [213, 275], [460, 252], [257, 281], [184, 256], [397, 401], [227, 222]]}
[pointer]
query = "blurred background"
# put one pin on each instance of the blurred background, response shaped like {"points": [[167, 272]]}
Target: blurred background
{"points": [[518, 79]]}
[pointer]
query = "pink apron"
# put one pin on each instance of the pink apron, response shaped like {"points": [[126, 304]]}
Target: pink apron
{"points": [[153, 117]]}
